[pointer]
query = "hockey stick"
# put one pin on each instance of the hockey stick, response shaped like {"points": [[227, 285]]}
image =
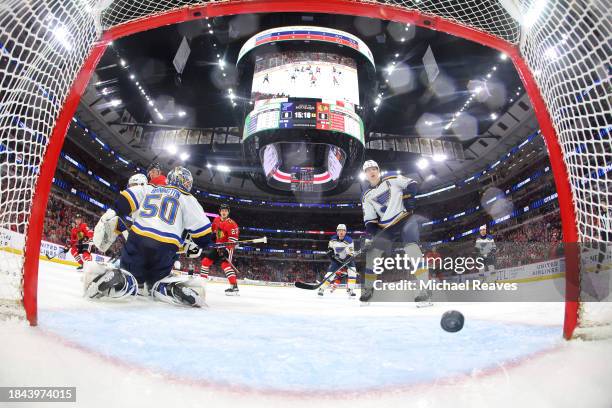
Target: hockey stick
{"points": [[263, 240], [63, 251], [313, 286]]}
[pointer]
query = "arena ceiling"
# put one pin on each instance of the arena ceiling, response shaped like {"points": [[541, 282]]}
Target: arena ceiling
{"points": [[137, 74]]}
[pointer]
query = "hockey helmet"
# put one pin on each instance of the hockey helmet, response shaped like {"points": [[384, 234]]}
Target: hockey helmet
{"points": [[341, 227], [224, 207], [154, 166], [370, 163], [137, 179], [180, 177]]}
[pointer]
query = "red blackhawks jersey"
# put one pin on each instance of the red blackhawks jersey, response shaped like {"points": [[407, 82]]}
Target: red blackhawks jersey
{"points": [[159, 180], [79, 233], [225, 230]]}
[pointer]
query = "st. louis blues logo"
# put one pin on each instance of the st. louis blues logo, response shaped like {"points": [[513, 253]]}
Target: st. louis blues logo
{"points": [[383, 199]]}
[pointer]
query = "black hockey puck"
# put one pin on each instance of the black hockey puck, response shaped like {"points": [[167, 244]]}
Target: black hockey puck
{"points": [[452, 321]]}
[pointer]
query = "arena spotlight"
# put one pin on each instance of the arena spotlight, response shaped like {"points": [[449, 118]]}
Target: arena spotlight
{"points": [[182, 113], [494, 116], [184, 156], [422, 163], [115, 102], [362, 176], [439, 157], [223, 168], [172, 149]]}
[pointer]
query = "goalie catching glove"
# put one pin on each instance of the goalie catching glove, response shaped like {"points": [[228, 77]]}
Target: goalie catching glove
{"points": [[106, 230]]}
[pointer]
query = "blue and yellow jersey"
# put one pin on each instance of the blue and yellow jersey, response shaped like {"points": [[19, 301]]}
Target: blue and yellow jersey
{"points": [[165, 214], [383, 204]]}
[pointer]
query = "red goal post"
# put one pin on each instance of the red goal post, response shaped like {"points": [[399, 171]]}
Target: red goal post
{"points": [[49, 49]]}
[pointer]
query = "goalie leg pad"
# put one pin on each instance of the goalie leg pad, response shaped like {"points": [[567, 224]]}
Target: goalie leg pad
{"points": [[181, 291], [113, 283]]}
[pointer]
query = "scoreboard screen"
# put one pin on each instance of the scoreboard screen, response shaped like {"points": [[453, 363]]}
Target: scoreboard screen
{"points": [[293, 113]]}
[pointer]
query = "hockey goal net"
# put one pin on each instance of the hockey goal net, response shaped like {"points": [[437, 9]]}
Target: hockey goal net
{"points": [[48, 49]]}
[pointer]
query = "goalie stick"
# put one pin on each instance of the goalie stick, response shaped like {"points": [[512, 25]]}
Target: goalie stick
{"points": [[313, 286]]}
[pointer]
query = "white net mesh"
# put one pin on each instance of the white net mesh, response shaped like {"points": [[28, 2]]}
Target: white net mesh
{"points": [[42, 46], [566, 44]]}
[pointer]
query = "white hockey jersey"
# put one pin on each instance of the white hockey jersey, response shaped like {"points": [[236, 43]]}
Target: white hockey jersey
{"points": [[383, 204], [165, 213], [485, 245], [342, 248]]}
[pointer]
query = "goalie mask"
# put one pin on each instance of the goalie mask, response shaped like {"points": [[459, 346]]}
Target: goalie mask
{"points": [[180, 177]]}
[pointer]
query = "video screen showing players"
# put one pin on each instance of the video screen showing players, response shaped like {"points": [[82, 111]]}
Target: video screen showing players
{"points": [[300, 74]]}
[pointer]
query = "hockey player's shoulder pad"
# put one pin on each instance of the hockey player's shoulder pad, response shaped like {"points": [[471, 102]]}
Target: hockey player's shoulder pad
{"points": [[389, 178], [334, 237], [489, 236], [348, 239], [365, 193]]}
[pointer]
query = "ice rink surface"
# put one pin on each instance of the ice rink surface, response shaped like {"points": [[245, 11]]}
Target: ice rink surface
{"points": [[276, 346]]}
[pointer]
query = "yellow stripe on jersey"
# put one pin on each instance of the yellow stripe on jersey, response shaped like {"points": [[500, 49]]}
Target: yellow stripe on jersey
{"points": [[203, 233], [396, 220], [156, 237], [128, 197]]}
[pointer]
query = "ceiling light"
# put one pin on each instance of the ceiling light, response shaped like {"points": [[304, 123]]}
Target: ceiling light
{"points": [[132, 76], [115, 102], [503, 56], [223, 168], [362, 176], [63, 36], [122, 62], [439, 157], [396, 54], [182, 113], [172, 149], [184, 156], [422, 163], [208, 165], [494, 116], [151, 103], [210, 31], [160, 115]]}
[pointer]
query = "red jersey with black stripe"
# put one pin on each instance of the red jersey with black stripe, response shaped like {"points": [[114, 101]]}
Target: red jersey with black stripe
{"points": [[225, 230], [80, 233]]}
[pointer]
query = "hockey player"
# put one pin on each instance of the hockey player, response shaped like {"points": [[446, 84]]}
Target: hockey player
{"points": [[156, 177], [80, 235], [340, 248], [387, 206], [485, 246], [162, 216], [225, 230]]}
